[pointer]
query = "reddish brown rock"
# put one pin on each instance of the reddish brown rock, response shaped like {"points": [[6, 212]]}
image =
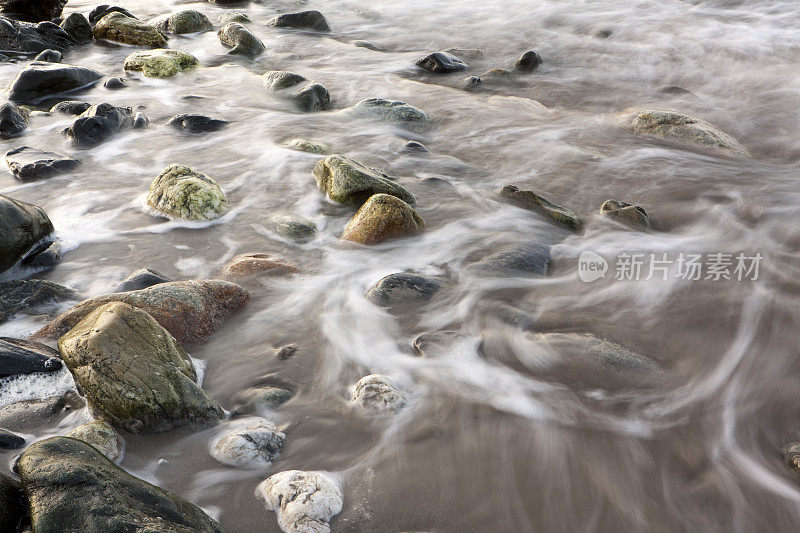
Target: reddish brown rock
{"points": [[248, 265]]}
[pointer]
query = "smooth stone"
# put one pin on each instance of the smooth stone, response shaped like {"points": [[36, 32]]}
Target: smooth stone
{"points": [[182, 193], [441, 63], [674, 89], [403, 287], [583, 348], [241, 40], [528, 62], [77, 27], [525, 260], [382, 217], [53, 56], [277, 80], [190, 310], [497, 74], [97, 124], [347, 181], [631, 215], [41, 80], [432, 343], [294, 227], [188, 21], [28, 163], [472, 83], [102, 437], [12, 122], [12, 505], [118, 27], [135, 373], [73, 488], [33, 10], [30, 295], [533, 202], [115, 83], [307, 20], [377, 395], [253, 441], [263, 398], [45, 255], [161, 63], [250, 264], [302, 145], [303, 502], [196, 123], [140, 121], [142, 279], [307, 95], [32, 415], [104, 9], [18, 356], [22, 226], [227, 18], [390, 111], [9, 441], [26, 38], [70, 107], [416, 147]]}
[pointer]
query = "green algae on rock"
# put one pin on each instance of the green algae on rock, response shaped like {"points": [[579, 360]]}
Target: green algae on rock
{"points": [[161, 62], [123, 29], [180, 192], [348, 181], [382, 217], [533, 202], [632, 215]]}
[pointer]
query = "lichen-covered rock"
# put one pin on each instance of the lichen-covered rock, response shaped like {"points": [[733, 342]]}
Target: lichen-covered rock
{"points": [[187, 21], [348, 181], [251, 441], [248, 265], [161, 62], [180, 192], [192, 123], [190, 310], [441, 63], [16, 36], [304, 502], [30, 296], [391, 111], [123, 29], [73, 488], [526, 260], [22, 225], [307, 20], [134, 372], [631, 215], [378, 395], [382, 217], [532, 201], [18, 356], [528, 62], [33, 10], [12, 122], [102, 436], [76, 25], [41, 80], [241, 40], [303, 145], [403, 287], [684, 129], [28, 163], [307, 95], [294, 227]]}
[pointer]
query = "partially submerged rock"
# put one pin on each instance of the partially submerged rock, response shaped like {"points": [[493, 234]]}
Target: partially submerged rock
{"points": [[377, 395], [26, 38], [33, 10], [791, 454], [304, 502], [8, 441], [187, 21], [192, 123], [585, 348], [253, 441], [526, 260], [347, 181], [18, 356], [307, 95], [306, 20], [403, 287], [304, 145], [103, 438], [76, 25], [180, 192], [70, 107], [30, 296], [97, 14], [391, 111], [53, 56], [248, 265], [236, 16], [22, 225], [12, 122], [41, 80], [293, 227], [631, 215], [434, 343], [260, 399], [382, 217], [161, 62], [532, 201], [120, 28], [441, 63], [141, 279], [241, 40], [528, 62], [28, 163], [114, 82], [97, 124]]}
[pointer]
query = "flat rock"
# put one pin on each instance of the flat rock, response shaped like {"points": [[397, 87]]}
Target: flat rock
{"points": [[250, 264], [118, 27], [526, 260], [33, 10], [77, 27], [183, 193], [441, 63], [533, 202], [304, 502], [630, 215], [240, 40], [403, 287], [376, 394], [391, 111], [22, 225], [347, 181], [433, 343], [161, 62], [252, 441], [585, 348], [103, 438], [305, 20], [26, 38], [12, 122], [382, 217], [141, 279], [260, 399], [41, 80], [196, 123], [28, 163], [18, 356], [303, 145]]}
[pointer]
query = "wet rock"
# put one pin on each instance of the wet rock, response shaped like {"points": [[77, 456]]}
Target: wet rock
{"points": [[390, 111], [248, 265], [403, 287], [97, 124], [104, 9], [263, 398], [497, 74], [631, 215], [119, 28], [41, 80], [140, 121], [277, 80], [197, 123], [432, 343], [19, 356], [134, 372], [303, 145], [22, 225], [533, 202], [161, 63], [12, 122], [16, 36], [526, 260], [306, 20], [188, 21], [240, 17], [189, 310], [241, 40], [32, 10], [72, 487], [9, 441], [142, 279], [45, 255], [528, 62], [70, 107], [253, 441], [78, 28], [684, 129], [674, 89], [285, 352], [415, 147], [12, 505], [28, 163], [472, 83], [382, 217], [308, 96], [791, 454], [295, 228], [180, 192], [103, 438], [115, 83], [304, 502], [585, 348], [377, 394], [53, 56], [466, 53], [348, 181], [441, 63], [29, 296], [32, 415]]}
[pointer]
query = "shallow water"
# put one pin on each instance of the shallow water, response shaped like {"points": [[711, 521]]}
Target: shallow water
{"points": [[493, 438]]}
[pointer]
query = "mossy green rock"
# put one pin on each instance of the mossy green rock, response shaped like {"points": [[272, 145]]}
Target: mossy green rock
{"points": [[532, 201], [348, 181], [180, 192], [134, 372], [123, 29], [294, 227], [188, 21], [382, 217], [72, 488], [632, 215], [161, 63], [21, 226]]}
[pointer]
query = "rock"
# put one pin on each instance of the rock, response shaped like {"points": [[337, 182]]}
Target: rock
{"points": [[684, 129], [631, 215], [97, 124], [22, 225], [307, 96], [303, 145], [45, 255], [180, 192], [28, 163], [404, 287], [348, 181], [29, 296], [277, 80], [533, 202], [377, 394], [585, 348], [19, 356], [189, 310], [471, 83], [33, 415], [497, 74], [12, 505], [12, 122], [304, 502], [140, 121], [306, 20], [33, 10], [382, 217], [441, 63], [528, 62], [118, 27], [161, 63], [433, 343], [103, 438], [196, 123], [674, 89], [227, 18], [8, 441], [791, 454], [467, 53], [264, 398], [248, 265], [295, 228], [53, 56], [526, 260], [102, 10], [78, 28], [134, 372], [70, 107], [41, 80], [188, 21], [73, 488], [285, 352], [16, 36], [142, 279], [115, 83], [253, 441], [415, 147], [241, 40], [390, 111]]}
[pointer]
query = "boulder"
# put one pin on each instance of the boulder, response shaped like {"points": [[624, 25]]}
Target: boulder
{"points": [[73, 488], [12, 122], [253, 441], [307, 95], [188, 21], [30, 296], [28, 38], [134, 373], [403, 287], [18, 356], [526, 260], [248, 265], [32, 10], [533, 202], [241, 40], [305, 20], [53, 56], [104, 9], [441, 63], [70, 107], [347, 181], [630, 215], [382, 217], [22, 225], [196, 123], [118, 27], [97, 124], [28, 163], [43, 256], [141, 279], [161, 63], [293, 227], [103, 438], [183, 193], [78, 28], [434, 343], [377, 395], [189, 310], [528, 62], [40, 80], [303, 145], [391, 111], [12, 505], [114, 83], [304, 502]]}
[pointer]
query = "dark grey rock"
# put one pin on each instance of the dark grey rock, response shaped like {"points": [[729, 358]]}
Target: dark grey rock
{"points": [[403, 287], [526, 260], [307, 96], [528, 62], [415, 147], [140, 121], [141, 279], [441, 63], [78, 28], [70, 107], [12, 122], [26, 38], [43, 256], [22, 225], [28, 163], [12, 505], [30, 296], [8, 441], [308, 20], [197, 123], [241, 40], [32, 10], [41, 80], [115, 83], [103, 10], [49, 55], [97, 124], [277, 80], [19, 356]]}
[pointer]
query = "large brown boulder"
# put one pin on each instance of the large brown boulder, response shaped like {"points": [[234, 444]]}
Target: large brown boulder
{"points": [[382, 217]]}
